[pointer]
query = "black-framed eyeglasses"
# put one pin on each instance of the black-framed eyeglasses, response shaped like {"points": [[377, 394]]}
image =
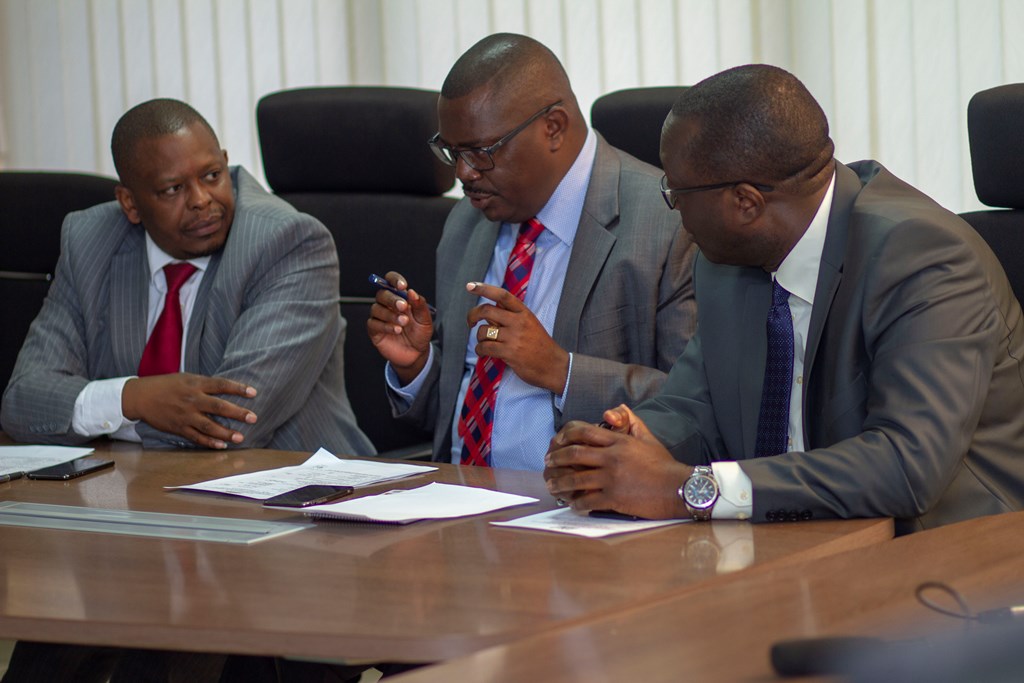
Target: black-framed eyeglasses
{"points": [[481, 158], [669, 194]]}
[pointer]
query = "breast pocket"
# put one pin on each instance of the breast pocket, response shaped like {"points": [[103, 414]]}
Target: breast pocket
{"points": [[606, 334]]}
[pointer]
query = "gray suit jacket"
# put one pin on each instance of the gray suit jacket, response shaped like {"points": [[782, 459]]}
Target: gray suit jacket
{"points": [[626, 311], [266, 314], [913, 402]]}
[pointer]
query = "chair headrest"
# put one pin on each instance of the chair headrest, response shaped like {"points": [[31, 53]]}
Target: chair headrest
{"points": [[995, 128], [351, 139], [631, 119]]}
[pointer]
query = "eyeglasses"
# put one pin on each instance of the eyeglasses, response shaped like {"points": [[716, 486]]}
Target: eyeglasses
{"points": [[481, 158], [669, 193]]}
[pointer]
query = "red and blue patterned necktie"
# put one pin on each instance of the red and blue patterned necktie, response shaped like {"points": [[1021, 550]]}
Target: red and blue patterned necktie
{"points": [[476, 421]]}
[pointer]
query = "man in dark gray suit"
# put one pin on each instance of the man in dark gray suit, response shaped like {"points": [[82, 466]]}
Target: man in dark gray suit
{"points": [[263, 334], [859, 351], [609, 304]]}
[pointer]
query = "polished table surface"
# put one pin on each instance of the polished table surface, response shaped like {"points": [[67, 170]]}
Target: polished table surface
{"points": [[418, 593], [725, 632]]}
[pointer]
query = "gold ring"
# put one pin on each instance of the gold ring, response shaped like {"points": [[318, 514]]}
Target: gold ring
{"points": [[492, 332]]}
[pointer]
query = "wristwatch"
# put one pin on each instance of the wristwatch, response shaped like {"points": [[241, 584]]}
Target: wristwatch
{"points": [[700, 492]]}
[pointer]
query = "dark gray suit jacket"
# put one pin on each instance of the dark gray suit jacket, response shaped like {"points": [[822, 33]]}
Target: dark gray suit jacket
{"points": [[626, 310], [266, 314], [914, 395]]}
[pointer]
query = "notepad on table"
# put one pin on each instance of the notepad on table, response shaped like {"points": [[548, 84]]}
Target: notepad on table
{"points": [[433, 501]]}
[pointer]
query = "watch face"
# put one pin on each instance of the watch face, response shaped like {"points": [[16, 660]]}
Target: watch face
{"points": [[700, 491]]}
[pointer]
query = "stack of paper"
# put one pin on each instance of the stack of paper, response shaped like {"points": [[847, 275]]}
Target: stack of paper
{"points": [[433, 501], [322, 468], [17, 460]]}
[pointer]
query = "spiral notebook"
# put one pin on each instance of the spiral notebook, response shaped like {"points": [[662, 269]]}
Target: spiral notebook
{"points": [[404, 506]]}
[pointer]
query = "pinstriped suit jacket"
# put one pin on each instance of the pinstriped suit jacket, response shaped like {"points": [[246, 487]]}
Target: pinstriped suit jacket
{"points": [[266, 314], [626, 311]]}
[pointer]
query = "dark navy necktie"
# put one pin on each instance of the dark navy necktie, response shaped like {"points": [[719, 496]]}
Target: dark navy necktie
{"points": [[773, 421]]}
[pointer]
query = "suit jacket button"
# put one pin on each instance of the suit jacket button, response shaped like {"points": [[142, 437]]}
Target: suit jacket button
{"points": [[806, 514], [793, 516]]}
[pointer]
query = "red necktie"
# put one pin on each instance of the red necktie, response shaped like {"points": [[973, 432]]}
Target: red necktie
{"points": [[162, 355], [477, 418]]}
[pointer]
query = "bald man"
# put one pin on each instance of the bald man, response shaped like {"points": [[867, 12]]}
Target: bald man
{"points": [[607, 305], [859, 351]]}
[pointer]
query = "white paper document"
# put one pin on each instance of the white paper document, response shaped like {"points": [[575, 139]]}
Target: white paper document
{"points": [[567, 521], [433, 501], [21, 459], [323, 467]]}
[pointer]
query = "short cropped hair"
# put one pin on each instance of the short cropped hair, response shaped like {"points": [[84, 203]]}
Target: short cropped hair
{"points": [[757, 123], [501, 60], [148, 120]]}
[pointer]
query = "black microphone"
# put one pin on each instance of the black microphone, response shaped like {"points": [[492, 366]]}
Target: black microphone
{"points": [[822, 656]]}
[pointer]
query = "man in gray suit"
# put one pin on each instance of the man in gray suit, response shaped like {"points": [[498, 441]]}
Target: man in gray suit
{"points": [[262, 331], [859, 351], [608, 306]]}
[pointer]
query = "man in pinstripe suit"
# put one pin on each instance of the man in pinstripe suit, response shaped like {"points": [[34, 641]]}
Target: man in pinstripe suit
{"points": [[261, 360]]}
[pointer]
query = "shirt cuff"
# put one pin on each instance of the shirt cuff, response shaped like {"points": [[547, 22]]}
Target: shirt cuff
{"points": [[98, 410], [560, 400], [735, 492], [409, 392]]}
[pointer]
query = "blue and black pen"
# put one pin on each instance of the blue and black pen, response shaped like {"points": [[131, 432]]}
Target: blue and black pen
{"points": [[381, 283]]}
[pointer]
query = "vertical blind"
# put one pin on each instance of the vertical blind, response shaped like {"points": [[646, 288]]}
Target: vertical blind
{"points": [[894, 76]]}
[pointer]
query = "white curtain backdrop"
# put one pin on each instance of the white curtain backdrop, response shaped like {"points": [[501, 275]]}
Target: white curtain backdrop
{"points": [[894, 76]]}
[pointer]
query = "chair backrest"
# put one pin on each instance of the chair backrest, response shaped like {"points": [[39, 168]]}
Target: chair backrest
{"points": [[631, 119], [32, 209], [996, 134], [357, 159]]}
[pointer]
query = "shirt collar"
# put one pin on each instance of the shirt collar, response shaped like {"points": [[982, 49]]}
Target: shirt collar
{"points": [[158, 258], [561, 215], [798, 272]]}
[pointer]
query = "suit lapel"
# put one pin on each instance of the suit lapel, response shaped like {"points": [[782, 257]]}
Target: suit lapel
{"points": [[129, 295], [753, 359], [472, 267], [197, 319], [830, 273], [591, 246]]}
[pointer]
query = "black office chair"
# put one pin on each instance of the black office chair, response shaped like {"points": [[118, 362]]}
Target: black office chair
{"points": [[32, 209], [996, 134], [357, 159], [631, 119]]}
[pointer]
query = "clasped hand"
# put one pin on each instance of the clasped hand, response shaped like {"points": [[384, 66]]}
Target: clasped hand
{"points": [[624, 468]]}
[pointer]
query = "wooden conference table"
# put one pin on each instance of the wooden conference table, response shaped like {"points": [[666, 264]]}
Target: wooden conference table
{"points": [[424, 592], [725, 631]]}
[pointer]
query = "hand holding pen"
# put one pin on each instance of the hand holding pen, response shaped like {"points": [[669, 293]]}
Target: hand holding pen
{"points": [[380, 283], [401, 325]]}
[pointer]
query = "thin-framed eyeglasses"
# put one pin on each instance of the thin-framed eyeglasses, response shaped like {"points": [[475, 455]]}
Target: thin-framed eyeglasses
{"points": [[481, 158], [669, 194]]}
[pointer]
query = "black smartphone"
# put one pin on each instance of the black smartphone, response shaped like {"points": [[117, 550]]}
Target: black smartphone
{"points": [[71, 469], [308, 495]]}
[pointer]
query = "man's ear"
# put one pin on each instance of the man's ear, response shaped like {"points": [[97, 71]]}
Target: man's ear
{"points": [[556, 123], [749, 203], [127, 201]]}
